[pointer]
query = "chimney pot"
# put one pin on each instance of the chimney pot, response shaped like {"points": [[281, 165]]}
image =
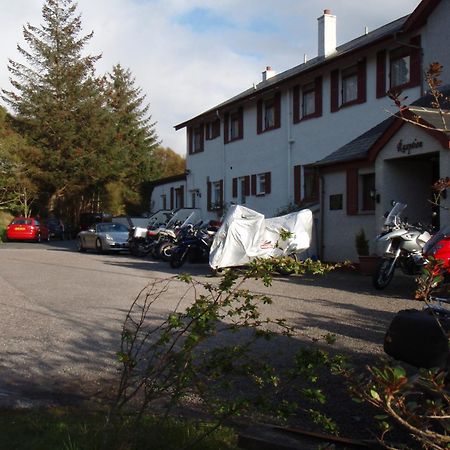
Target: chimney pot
{"points": [[268, 73], [326, 34]]}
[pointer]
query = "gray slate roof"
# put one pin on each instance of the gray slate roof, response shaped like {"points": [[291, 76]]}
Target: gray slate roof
{"points": [[351, 46]]}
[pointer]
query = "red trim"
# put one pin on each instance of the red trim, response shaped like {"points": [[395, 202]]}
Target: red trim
{"points": [[334, 90], [226, 128], [259, 116], [172, 193], [247, 184], [381, 74], [268, 183], [416, 62], [241, 122], [362, 81], [253, 185], [296, 103], [420, 15], [277, 112], [190, 137], [318, 96], [234, 188], [208, 195], [221, 194]]}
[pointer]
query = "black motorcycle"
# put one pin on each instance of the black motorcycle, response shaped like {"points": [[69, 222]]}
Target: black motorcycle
{"points": [[193, 244]]}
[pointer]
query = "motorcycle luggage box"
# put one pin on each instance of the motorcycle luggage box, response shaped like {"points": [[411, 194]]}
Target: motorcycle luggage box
{"points": [[416, 338]]}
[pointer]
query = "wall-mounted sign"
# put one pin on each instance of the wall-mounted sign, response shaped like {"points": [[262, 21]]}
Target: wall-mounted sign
{"points": [[406, 148]]}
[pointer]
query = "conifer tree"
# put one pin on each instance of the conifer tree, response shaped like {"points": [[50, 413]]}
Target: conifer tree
{"points": [[59, 104], [134, 134]]}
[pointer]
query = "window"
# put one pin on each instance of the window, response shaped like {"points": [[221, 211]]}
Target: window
{"points": [[196, 139], [311, 177], [215, 195], [212, 130], [179, 197], [164, 201], [404, 65], [368, 190], [234, 126], [336, 202], [349, 85], [261, 184], [352, 83], [307, 100], [400, 67], [243, 189], [268, 113], [193, 199]]}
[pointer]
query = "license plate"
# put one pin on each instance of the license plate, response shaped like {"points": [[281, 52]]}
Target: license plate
{"points": [[20, 228]]}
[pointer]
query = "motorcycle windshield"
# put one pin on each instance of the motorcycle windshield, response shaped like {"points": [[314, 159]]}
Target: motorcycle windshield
{"points": [[392, 218]]}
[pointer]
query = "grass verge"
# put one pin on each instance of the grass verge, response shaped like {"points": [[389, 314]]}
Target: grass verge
{"points": [[69, 429]]}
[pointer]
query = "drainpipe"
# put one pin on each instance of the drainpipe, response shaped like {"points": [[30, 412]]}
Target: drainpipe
{"points": [[290, 143], [321, 249]]}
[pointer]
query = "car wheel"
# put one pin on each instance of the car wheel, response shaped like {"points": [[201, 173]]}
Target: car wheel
{"points": [[98, 245], [80, 246]]}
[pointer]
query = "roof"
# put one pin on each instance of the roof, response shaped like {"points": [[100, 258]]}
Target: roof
{"points": [[171, 179], [406, 23], [359, 148]]}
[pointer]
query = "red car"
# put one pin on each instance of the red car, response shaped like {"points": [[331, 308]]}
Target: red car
{"points": [[27, 229]]}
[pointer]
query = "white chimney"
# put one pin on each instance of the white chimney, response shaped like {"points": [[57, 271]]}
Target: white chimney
{"points": [[327, 34], [268, 73]]}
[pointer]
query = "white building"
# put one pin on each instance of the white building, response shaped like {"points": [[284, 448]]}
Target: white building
{"points": [[258, 148], [168, 193]]}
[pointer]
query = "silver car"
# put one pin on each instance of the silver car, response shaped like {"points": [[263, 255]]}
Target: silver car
{"points": [[103, 237]]}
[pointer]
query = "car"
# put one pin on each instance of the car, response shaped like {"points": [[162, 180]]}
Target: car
{"points": [[56, 228], [27, 229], [103, 237]]}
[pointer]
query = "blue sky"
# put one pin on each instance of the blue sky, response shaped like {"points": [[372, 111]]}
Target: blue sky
{"points": [[189, 55]]}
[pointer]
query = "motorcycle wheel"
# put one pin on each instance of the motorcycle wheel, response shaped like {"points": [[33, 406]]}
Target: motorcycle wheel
{"points": [[165, 251], [384, 273], [178, 259]]}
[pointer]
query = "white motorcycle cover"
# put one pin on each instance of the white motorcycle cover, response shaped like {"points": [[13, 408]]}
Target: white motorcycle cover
{"points": [[246, 234]]}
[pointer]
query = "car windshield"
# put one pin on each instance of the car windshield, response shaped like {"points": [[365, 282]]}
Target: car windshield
{"points": [[111, 228], [21, 222]]}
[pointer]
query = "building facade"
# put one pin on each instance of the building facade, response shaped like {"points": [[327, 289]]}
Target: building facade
{"points": [[260, 147]]}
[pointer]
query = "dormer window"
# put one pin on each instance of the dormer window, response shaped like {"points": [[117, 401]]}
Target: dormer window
{"points": [[268, 113], [307, 100], [233, 126], [400, 67], [196, 139]]}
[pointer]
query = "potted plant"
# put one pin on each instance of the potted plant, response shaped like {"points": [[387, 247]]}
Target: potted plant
{"points": [[367, 263]]}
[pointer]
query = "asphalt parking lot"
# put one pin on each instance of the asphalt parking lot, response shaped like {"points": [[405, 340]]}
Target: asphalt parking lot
{"points": [[61, 314]]}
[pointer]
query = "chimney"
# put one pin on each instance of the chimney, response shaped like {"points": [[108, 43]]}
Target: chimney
{"points": [[327, 34], [268, 73]]}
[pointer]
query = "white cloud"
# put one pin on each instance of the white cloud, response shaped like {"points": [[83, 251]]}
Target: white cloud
{"points": [[185, 70]]}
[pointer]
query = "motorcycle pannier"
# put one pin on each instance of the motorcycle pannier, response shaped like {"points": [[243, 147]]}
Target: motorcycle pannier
{"points": [[415, 337]]}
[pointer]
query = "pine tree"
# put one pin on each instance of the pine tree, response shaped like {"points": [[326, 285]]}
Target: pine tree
{"points": [[135, 138], [59, 104]]}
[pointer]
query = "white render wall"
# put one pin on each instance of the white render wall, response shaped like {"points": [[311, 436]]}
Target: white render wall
{"points": [[279, 150], [156, 202]]}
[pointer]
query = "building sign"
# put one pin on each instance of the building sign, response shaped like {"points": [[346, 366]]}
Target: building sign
{"points": [[406, 148]]}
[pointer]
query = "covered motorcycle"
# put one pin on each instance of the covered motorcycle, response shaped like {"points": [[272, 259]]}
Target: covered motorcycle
{"points": [[246, 234]]}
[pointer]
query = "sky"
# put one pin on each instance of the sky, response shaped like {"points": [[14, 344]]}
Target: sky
{"points": [[189, 55]]}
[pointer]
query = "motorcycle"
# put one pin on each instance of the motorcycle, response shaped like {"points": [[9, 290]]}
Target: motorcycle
{"points": [[193, 244], [404, 247]]}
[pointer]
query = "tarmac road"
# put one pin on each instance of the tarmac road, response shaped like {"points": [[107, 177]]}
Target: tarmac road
{"points": [[61, 314]]}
